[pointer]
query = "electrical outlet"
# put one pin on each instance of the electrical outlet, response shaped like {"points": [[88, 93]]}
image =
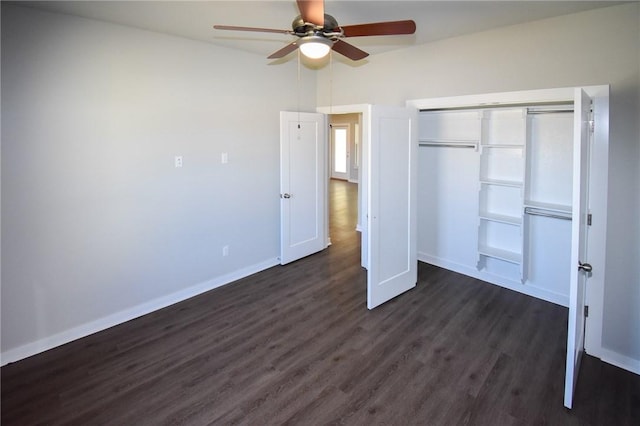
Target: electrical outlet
{"points": [[177, 161], [225, 251]]}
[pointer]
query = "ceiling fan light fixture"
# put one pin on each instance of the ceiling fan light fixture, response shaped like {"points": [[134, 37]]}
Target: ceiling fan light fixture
{"points": [[315, 46]]}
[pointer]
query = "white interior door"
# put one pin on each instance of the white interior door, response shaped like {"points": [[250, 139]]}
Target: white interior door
{"points": [[340, 152], [303, 185], [392, 188], [579, 265]]}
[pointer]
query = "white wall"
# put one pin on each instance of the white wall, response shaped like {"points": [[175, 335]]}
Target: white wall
{"points": [[589, 48], [97, 224]]}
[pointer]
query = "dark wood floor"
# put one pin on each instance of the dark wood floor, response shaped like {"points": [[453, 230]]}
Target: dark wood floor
{"points": [[296, 345]]}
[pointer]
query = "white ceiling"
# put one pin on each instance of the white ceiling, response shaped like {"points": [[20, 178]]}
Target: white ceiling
{"points": [[435, 20]]}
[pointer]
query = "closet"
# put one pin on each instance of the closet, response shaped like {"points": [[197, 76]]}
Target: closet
{"points": [[512, 190], [495, 194]]}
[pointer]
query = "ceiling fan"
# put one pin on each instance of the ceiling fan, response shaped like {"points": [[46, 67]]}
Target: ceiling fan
{"points": [[319, 32]]}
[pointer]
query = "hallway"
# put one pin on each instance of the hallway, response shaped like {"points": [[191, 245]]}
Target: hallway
{"points": [[343, 211]]}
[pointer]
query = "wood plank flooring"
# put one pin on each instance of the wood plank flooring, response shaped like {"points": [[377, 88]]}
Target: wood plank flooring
{"points": [[297, 345]]}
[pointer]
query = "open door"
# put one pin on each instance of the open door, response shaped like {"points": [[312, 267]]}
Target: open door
{"points": [[392, 189], [579, 266], [303, 183]]}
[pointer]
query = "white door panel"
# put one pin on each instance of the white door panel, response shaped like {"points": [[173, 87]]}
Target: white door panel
{"points": [[575, 332], [392, 251], [303, 183]]}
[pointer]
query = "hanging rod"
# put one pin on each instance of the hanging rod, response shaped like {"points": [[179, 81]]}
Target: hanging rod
{"points": [[538, 212], [448, 144], [548, 111]]}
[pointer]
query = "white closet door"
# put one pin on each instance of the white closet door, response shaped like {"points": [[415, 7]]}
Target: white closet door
{"points": [[579, 265], [393, 262]]}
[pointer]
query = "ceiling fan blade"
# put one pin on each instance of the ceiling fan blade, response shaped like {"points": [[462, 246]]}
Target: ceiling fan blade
{"points": [[259, 30], [284, 51], [349, 50], [312, 11], [380, 28]]}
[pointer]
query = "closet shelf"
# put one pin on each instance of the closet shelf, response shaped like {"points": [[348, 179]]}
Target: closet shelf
{"points": [[449, 143], [509, 220], [506, 255], [509, 146], [510, 183]]}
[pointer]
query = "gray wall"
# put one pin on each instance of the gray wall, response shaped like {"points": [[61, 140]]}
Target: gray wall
{"points": [[589, 48], [97, 224]]}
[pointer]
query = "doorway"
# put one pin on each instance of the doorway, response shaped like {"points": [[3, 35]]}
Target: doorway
{"points": [[340, 151], [343, 178]]}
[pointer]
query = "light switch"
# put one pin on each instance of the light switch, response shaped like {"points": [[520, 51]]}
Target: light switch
{"points": [[224, 158]]}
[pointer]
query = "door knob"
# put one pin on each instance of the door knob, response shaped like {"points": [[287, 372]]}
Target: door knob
{"points": [[584, 267]]}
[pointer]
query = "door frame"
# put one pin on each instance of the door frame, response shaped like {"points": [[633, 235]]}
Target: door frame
{"points": [[598, 186]]}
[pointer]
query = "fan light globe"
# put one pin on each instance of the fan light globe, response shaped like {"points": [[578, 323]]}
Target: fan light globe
{"points": [[315, 47]]}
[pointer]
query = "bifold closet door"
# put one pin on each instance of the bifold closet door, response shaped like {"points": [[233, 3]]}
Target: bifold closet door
{"points": [[391, 221], [579, 265]]}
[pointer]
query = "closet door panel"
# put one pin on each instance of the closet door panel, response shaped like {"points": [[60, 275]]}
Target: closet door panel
{"points": [[447, 205]]}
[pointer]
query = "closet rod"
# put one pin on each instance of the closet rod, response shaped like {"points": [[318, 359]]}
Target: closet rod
{"points": [[537, 212], [448, 145], [548, 111]]}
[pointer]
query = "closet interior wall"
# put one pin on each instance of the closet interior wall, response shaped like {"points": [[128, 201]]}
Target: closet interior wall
{"points": [[495, 188]]}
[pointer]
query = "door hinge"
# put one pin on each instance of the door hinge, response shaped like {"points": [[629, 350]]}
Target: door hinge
{"points": [[592, 126], [589, 219], [586, 311]]}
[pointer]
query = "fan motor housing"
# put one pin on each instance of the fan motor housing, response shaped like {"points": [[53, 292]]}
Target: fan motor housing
{"points": [[302, 28]]}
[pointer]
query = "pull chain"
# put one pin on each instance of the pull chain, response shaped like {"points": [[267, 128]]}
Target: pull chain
{"points": [[330, 81], [299, 88]]}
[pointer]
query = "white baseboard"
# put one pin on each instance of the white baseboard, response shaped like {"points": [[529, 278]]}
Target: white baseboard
{"points": [[529, 290], [619, 360], [50, 342]]}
